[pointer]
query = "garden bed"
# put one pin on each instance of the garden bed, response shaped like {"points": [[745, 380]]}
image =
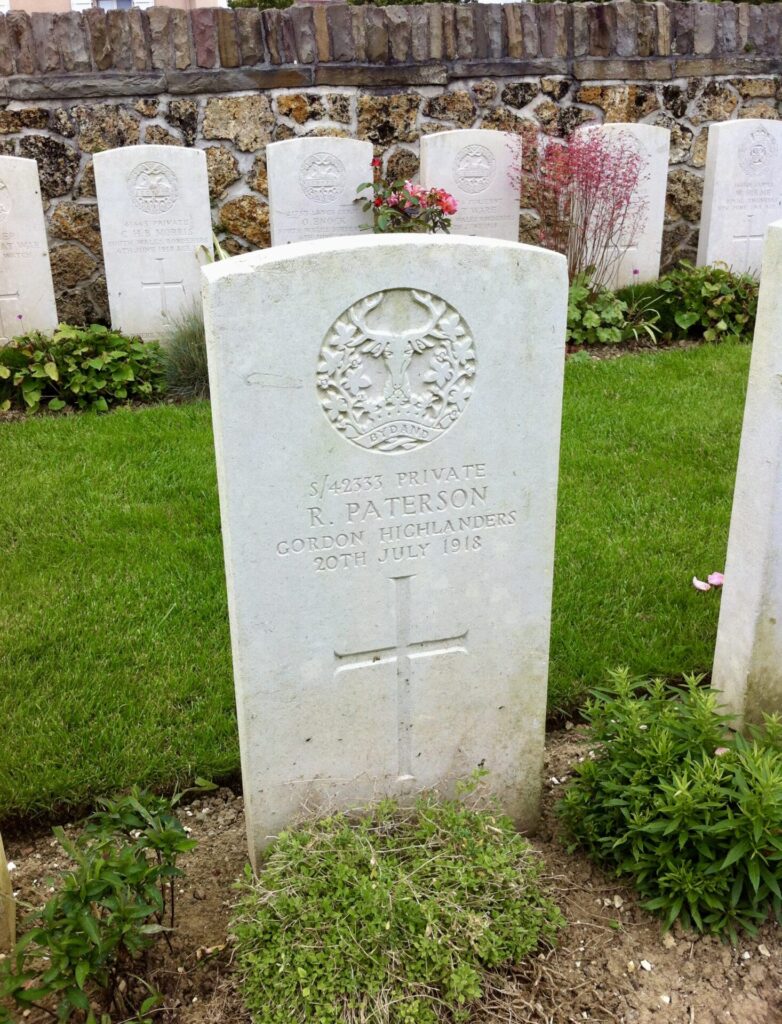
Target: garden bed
{"points": [[597, 973]]}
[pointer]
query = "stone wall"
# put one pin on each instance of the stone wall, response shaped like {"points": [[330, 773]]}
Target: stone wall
{"points": [[230, 82]]}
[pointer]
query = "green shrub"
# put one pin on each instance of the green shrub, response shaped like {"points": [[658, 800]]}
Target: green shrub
{"points": [[81, 368], [707, 302], [390, 917], [691, 813], [111, 908], [187, 373], [602, 317]]}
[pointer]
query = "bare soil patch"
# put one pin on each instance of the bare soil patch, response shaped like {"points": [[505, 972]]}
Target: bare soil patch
{"points": [[612, 964]]}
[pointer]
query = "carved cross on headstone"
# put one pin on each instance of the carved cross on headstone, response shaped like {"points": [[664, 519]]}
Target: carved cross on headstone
{"points": [[162, 284], [748, 238], [6, 323], [402, 652]]}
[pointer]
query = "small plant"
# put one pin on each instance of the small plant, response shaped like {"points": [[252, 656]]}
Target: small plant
{"points": [[403, 206], [708, 302], [689, 811], [187, 373], [89, 368], [602, 317], [585, 190], [110, 909], [394, 916]]}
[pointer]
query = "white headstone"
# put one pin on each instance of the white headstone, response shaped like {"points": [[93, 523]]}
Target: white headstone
{"points": [[640, 250], [26, 289], [313, 188], [748, 656], [742, 192], [477, 167], [387, 449], [156, 226]]}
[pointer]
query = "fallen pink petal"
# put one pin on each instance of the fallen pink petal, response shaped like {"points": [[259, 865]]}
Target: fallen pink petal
{"points": [[700, 584], [716, 579]]}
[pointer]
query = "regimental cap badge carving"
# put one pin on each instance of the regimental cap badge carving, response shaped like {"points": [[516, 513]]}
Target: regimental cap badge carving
{"points": [[322, 177], [757, 152], [474, 168], [396, 370], [153, 187], [5, 200]]}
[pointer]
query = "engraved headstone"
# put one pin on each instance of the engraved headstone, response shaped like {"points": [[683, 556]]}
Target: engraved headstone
{"points": [[26, 289], [640, 249], [476, 166], [7, 906], [748, 655], [387, 458], [313, 187], [742, 192], [156, 226]]}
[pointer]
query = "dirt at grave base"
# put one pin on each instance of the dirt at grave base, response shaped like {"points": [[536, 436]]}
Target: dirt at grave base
{"points": [[612, 963]]}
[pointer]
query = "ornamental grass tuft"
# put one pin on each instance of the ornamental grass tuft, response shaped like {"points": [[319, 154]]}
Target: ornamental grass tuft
{"points": [[390, 917]]}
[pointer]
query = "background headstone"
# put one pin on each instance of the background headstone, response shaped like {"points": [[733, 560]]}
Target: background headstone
{"points": [[387, 448], [748, 655], [312, 188], [26, 289], [640, 259], [476, 166], [156, 226], [7, 906], [742, 192]]}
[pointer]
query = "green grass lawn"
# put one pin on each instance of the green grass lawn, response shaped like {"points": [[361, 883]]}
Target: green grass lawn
{"points": [[114, 656]]}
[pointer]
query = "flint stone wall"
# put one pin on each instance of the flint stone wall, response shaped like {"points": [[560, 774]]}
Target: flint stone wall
{"points": [[229, 82]]}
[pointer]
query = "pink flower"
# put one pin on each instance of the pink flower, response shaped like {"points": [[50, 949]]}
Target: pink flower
{"points": [[376, 161], [393, 199], [699, 584], [721, 750], [716, 579]]}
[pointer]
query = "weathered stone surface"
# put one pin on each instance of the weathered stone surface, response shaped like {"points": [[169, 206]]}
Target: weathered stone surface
{"points": [[87, 305], [57, 163], [504, 120], [699, 147], [180, 36], [338, 107], [247, 217], [465, 32], [419, 33], [78, 222], [402, 164], [620, 102], [139, 49], [386, 119], [27, 117], [118, 29], [679, 243], [753, 88], [147, 107], [70, 32], [222, 168], [765, 110], [46, 45], [246, 121], [204, 24], [398, 34], [85, 186], [6, 50], [681, 137], [320, 28], [70, 265], [20, 31], [249, 25], [685, 194], [705, 29], [519, 94], [513, 31], [530, 30], [552, 24], [258, 178], [359, 28], [456, 106], [161, 44], [271, 34], [325, 132], [105, 126], [484, 92], [301, 107], [716, 103], [228, 39], [156, 134], [556, 88], [64, 123], [626, 28], [183, 114], [341, 29], [303, 33], [676, 98]]}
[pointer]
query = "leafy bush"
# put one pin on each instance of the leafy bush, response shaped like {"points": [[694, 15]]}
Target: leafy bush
{"points": [[393, 916], [707, 302], [601, 317], [110, 909], [187, 373], [692, 813], [82, 368], [404, 207]]}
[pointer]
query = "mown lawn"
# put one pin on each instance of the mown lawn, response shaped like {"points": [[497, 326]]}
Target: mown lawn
{"points": [[114, 652]]}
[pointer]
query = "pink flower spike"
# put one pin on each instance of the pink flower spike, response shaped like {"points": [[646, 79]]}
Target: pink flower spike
{"points": [[716, 579], [699, 584]]}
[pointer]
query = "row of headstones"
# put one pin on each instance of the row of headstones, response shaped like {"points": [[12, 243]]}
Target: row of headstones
{"points": [[155, 217], [388, 497]]}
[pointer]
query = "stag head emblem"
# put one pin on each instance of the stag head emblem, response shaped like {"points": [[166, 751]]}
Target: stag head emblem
{"points": [[396, 369]]}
